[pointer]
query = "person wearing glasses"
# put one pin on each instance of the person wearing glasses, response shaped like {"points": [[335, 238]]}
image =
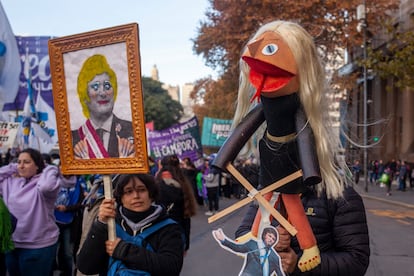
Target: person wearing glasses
{"points": [[103, 135]]}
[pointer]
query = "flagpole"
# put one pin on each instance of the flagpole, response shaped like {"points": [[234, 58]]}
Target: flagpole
{"points": [[37, 121]]}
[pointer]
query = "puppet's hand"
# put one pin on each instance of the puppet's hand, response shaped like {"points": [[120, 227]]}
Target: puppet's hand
{"points": [[81, 150], [310, 259], [125, 148], [218, 234]]}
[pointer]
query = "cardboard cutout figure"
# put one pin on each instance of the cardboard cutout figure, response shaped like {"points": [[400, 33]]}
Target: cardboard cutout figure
{"points": [[260, 258]]}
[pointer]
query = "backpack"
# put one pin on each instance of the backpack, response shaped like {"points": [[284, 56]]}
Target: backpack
{"points": [[385, 178], [68, 197], [116, 267]]}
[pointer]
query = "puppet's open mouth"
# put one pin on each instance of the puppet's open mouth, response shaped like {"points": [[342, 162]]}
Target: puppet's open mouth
{"points": [[271, 83], [274, 77]]}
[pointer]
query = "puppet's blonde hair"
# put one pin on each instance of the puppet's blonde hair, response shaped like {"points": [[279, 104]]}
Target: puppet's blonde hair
{"points": [[312, 93]]}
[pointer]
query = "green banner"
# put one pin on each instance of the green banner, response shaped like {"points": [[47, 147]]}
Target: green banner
{"points": [[215, 132]]}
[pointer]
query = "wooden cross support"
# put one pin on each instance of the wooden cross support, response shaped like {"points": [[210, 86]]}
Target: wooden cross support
{"points": [[258, 195]]}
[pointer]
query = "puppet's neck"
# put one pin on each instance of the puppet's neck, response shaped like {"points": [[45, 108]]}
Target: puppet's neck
{"points": [[280, 114]]}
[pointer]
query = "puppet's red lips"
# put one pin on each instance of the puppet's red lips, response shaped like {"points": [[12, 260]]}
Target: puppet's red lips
{"points": [[271, 83], [273, 76]]}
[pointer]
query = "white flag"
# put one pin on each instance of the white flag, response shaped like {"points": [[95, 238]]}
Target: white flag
{"points": [[45, 129], [10, 66], [38, 131]]}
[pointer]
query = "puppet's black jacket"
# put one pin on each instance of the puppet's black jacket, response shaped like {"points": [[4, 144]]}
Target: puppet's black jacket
{"points": [[340, 228]]}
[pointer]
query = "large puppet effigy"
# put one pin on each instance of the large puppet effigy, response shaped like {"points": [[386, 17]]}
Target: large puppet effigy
{"points": [[280, 68]]}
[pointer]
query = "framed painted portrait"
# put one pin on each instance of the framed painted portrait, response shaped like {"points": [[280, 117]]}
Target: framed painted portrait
{"points": [[97, 93]]}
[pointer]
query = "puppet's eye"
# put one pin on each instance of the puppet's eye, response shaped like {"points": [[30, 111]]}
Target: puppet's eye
{"points": [[270, 49]]}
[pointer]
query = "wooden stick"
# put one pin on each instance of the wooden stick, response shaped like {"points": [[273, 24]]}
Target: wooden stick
{"points": [[109, 195], [248, 199], [230, 209], [257, 195]]}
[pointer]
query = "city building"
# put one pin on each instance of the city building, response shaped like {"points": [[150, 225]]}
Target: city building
{"points": [[181, 95], [389, 116]]}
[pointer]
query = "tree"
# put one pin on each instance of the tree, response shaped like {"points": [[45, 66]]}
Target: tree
{"points": [[230, 23], [159, 106], [395, 58], [218, 102]]}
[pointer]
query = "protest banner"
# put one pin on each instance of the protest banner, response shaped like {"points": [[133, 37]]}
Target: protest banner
{"points": [[181, 139], [33, 50], [8, 132], [215, 132]]}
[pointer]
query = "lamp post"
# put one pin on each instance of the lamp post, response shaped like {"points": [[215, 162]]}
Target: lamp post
{"points": [[361, 16]]}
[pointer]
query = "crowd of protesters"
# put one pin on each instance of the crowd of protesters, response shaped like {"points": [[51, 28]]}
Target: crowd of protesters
{"points": [[396, 172], [75, 206], [184, 190]]}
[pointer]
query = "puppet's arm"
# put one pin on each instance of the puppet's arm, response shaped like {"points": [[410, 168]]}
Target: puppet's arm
{"points": [[307, 241]]}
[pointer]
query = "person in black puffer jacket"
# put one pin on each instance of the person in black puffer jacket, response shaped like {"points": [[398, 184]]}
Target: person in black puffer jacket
{"points": [[341, 230]]}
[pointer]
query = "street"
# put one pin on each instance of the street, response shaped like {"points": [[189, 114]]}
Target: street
{"points": [[390, 228], [391, 238], [206, 257]]}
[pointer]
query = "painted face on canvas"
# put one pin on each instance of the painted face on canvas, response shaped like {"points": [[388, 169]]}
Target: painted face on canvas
{"points": [[101, 95]]}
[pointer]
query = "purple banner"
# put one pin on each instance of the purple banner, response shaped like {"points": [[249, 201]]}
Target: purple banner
{"points": [[181, 139], [37, 50]]}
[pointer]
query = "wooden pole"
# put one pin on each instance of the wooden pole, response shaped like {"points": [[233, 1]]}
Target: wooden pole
{"points": [[109, 195]]}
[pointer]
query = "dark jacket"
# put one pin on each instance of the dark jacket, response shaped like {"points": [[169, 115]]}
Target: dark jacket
{"points": [[341, 231], [167, 258], [172, 198], [191, 174]]}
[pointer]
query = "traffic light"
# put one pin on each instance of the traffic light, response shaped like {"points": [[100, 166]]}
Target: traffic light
{"points": [[375, 139]]}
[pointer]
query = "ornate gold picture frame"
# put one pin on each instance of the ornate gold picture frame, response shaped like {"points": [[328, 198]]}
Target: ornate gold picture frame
{"points": [[98, 99]]}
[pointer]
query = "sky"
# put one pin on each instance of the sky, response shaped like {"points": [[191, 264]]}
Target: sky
{"points": [[166, 28]]}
